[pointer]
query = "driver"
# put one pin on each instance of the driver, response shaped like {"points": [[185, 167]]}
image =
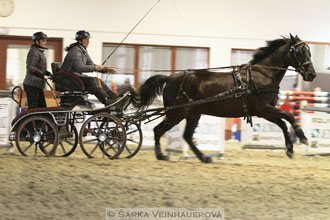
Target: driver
{"points": [[78, 61]]}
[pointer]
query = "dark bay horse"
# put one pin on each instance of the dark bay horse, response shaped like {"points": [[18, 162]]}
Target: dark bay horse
{"points": [[260, 78]]}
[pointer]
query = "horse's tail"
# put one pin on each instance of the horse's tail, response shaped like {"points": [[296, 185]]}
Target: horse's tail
{"points": [[135, 99], [149, 90]]}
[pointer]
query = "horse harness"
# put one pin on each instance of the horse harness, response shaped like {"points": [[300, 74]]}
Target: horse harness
{"points": [[241, 90], [295, 51]]}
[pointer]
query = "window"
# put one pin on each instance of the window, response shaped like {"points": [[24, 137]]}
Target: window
{"points": [[124, 60], [320, 56], [16, 64], [191, 58], [241, 56], [13, 50], [153, 58], [131, 60]]}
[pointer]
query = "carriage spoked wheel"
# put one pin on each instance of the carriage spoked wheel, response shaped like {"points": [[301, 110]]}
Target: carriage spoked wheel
{"points": [[102, 135], [134, 139], [35, 134], [67, 141]]}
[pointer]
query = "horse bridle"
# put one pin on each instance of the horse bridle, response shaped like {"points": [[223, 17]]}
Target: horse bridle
{"points": [[295, 51]]}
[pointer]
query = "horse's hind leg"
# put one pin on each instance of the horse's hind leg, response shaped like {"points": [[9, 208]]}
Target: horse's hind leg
{"points": [[192, 122], [288, 142], [169, 122]]}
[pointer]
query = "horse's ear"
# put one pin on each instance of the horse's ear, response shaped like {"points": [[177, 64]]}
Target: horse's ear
{"points": [[292, 38]]}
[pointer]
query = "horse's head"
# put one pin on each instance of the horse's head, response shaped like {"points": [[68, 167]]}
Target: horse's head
{"points": [[300, 58]]}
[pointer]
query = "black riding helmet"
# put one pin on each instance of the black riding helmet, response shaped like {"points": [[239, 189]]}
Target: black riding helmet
{"points": [[38, 36], [82, 35]]}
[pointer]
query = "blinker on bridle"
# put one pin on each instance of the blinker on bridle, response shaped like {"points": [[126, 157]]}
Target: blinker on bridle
{"points": [[293, 50]]}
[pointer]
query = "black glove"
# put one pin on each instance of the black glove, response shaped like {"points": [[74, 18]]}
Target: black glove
{"points": [[104, 70], [47, 73]]}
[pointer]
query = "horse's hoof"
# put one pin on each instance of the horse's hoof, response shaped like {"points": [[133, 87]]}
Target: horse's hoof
{"points": [[207, 160], [304, 141], [162, 157], [290, 154]]}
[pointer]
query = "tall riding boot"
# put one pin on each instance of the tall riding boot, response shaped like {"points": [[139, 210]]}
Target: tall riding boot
{"points": [[107, 90], [100, 95]]}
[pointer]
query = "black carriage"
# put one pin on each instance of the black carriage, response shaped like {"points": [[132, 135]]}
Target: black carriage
{"points": [[104, 132]]}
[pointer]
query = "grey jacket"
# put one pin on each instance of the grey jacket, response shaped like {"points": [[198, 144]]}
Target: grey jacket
{"points": [[77, 60], [36, 65]]}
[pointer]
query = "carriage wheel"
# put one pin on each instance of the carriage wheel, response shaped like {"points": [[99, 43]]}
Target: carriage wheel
{"points": [[133, 141], [102, 135], [36, 133], [68, 141]]}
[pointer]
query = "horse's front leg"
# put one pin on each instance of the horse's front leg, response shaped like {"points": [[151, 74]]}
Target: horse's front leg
{"points": [[288, 142], [272, 113]]}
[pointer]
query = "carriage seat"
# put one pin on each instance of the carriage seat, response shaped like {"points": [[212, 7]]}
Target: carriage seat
{"points": [[72, 88], [66, 81]]}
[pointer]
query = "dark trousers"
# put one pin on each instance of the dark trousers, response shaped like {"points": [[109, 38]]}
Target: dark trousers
{"points": [[98, 88], [35, 97]]}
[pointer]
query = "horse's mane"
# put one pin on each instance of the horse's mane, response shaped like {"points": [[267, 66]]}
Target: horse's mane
{"points": [[262, 52]]}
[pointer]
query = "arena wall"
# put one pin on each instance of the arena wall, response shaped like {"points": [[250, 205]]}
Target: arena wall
{"points": [[218, 24]]}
